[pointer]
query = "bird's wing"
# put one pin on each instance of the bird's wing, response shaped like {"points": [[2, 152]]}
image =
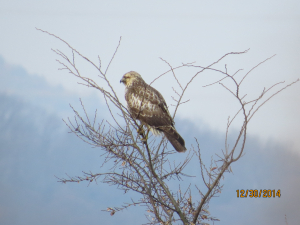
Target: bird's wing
{"points": [[148, 105]]}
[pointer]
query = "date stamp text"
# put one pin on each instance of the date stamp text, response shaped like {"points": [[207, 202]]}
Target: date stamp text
{"points": [[258, 193]]}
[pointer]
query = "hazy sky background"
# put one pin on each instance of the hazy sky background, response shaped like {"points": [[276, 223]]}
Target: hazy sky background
{"points": [[35, 96]]}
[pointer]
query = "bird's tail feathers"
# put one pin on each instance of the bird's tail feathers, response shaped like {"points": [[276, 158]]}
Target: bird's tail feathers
{"points": [[174, 138]]}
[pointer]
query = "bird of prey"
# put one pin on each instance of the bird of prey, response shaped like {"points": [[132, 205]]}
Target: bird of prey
{"points": [[148, 106]]}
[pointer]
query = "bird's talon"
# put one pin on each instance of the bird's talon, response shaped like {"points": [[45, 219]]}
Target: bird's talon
{"points": [[140, 130]]}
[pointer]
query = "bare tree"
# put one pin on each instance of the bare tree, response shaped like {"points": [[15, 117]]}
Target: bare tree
{"points": [[142, 164]]}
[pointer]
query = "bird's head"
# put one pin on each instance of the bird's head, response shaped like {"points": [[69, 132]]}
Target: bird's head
{"points": [[130, 77]]}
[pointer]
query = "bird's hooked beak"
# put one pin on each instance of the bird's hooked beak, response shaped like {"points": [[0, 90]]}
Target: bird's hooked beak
{"points": [[123, 80]]}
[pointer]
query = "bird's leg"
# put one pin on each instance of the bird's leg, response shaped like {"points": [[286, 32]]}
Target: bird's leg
{"points": [[146, 137], [140, 130]]}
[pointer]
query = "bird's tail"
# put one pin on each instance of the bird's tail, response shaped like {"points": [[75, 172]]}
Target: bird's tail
{"points": [[174, 138]]}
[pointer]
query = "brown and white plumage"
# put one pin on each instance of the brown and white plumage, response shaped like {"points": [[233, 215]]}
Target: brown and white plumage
{"points": [[147, 105]]}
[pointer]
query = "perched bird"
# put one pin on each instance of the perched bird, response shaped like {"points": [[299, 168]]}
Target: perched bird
{"points": [[148, 106]]}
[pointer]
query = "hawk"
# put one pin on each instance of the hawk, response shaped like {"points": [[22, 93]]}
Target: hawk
{"points": [[148, 106]]}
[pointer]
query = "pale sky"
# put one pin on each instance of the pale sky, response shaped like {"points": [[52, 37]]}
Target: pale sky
{"points": [[177, 31]]}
